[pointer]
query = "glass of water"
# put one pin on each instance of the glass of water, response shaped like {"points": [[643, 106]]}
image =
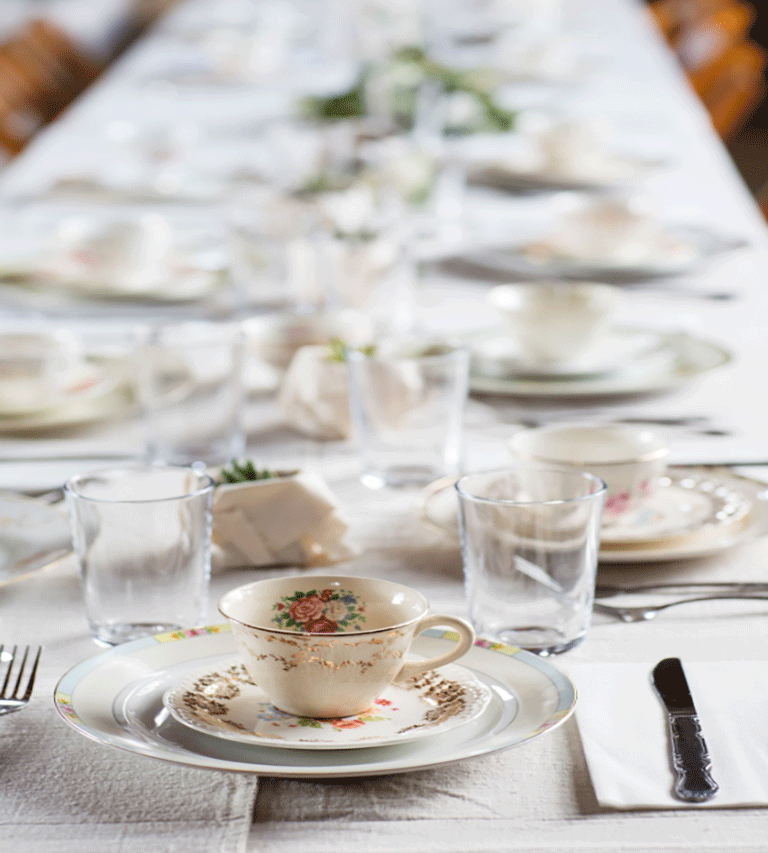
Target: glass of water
{"points": [[142, 538], [530, 540]]}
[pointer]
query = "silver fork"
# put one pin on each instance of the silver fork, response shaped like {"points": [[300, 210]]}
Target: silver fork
{"points": [[645, 612], [15, 700]]}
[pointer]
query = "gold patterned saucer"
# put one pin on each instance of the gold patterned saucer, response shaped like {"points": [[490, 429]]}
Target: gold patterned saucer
{"points": [[221, 700]]}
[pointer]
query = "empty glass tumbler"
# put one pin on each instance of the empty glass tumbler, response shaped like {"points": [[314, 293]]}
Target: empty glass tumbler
{"points": [[407, 407], [530, 541], [142, 538]]}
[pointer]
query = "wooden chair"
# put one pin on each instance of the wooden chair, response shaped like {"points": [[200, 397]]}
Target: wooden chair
{"points": [[41, 73], [711, 40]]}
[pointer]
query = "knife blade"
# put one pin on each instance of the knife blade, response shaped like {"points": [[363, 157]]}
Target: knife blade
{"points": [[690, 756]]}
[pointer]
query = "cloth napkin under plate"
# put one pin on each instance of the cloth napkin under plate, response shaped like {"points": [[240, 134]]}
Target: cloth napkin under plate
{"points": [[62, 793], [624, 731]]}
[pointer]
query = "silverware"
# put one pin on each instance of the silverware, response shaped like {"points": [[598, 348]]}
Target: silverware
{"points": [[15, 700], [607, 591], [644, 613], [690, 756]]}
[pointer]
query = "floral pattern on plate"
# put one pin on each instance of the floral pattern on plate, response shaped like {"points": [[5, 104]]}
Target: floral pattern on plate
{"points": [[329, 611], [223, 701]]}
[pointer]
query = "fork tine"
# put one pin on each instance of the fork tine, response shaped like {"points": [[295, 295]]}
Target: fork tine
{"points": [[8, 672], [15, 694], [31, 682]]}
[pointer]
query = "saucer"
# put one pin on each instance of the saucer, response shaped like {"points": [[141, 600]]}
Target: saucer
{"points": [[224, 702], [687, 507], [663, 361], [719, 510], [616, 172], [84, 380], [676, 250], [114, 395], [495, 353], [116, 699]]}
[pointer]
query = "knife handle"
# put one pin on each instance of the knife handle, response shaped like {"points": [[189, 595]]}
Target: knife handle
{"points": [[691, 760]]}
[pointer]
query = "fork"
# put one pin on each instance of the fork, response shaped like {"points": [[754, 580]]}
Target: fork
{"points": [[645, 612], [14, 700]]}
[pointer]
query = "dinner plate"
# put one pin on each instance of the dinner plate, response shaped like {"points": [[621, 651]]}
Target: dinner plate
{"points": [[33, 536], [221, 700], [722, 510], [677, 358], [677, 250], [116, 698]]}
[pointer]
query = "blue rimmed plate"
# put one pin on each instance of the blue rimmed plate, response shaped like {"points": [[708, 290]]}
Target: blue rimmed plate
{"points": [[116, 698]]}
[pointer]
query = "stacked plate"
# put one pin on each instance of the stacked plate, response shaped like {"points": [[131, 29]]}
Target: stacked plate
{"points": [[695, 511], [185, 697]]}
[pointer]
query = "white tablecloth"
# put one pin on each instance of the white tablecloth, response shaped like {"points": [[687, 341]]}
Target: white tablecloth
{"points": [[538, 797]]}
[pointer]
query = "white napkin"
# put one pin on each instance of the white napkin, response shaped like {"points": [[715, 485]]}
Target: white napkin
{"points": [[624, 732], [314, 395], [292, 519]]}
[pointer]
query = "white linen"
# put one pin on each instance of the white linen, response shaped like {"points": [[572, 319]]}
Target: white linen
{"points": [[625, 734], [61, 792], [533, 799]]}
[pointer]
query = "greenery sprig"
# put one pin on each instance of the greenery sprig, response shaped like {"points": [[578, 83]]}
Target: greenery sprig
{"points": [[339, 350], [244, 473], [351, 104]]}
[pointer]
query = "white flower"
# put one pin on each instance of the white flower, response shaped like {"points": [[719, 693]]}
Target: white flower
{"points": [[336, 610]]}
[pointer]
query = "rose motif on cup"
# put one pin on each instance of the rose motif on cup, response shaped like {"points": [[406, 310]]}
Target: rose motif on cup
{"points": [[328, 611], [618, 503]]}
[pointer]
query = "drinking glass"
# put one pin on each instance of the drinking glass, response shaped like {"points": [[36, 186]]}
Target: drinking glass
{"points": [[407, 406], [191, 390], [530, 540], [142, 538]]}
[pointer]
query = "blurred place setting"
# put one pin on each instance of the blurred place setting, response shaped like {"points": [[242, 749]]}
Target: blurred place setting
{"points": [[381, 388]]}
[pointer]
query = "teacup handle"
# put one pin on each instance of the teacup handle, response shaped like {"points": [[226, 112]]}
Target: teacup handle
{"points": [[466, 639]]}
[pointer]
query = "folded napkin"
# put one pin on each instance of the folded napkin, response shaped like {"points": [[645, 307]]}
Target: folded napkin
{"points": [[314, 395], [290, 519], [624, 732]]}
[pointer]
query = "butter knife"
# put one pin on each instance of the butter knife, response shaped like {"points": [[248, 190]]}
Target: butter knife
{"points": [[690, 757]]}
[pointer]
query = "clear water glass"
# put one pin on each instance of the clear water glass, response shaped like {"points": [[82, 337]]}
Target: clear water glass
{"points": [[191, 390], [142, 538], [407, 407], [530, 540]]}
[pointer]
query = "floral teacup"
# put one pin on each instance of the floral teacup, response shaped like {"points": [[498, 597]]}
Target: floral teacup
{"points": [[322, 646], [630, 460]]}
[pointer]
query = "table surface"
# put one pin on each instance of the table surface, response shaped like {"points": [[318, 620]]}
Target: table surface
{"points": [[536, 797]]}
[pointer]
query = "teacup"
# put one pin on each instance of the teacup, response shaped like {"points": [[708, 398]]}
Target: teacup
{"points": [[323, 646], [630, 460], [556, 322]]}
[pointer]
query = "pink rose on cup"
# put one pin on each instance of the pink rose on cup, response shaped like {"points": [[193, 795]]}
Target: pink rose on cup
{"points": [[307, 609], [320, 626]]}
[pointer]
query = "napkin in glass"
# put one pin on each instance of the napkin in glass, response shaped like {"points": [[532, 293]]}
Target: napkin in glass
{"points": [[624, 732]]}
